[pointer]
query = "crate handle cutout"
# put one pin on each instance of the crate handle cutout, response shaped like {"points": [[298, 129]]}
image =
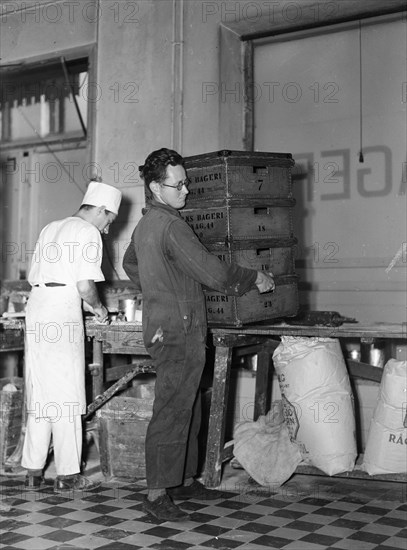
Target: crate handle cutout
{"points": [[261, 211], [260, 170], [263, 251]]}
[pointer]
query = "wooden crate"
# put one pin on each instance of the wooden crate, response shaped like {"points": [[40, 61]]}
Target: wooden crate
{"points": [[11, 338], [238, 174], [242, 220], [122, 424], [253, 307], [270, 255], [11, 416]]}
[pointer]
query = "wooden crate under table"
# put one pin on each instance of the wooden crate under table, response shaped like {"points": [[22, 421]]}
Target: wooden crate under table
{"points": [[122, 424], [11, 416]]}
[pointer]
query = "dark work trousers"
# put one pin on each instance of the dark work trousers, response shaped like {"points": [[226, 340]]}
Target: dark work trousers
{"points": [[172, 434]]}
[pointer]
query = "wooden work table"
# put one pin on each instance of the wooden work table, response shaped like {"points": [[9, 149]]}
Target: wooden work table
{"points": [[263, 340], [348, 330], [126, 338], [115, 338]]}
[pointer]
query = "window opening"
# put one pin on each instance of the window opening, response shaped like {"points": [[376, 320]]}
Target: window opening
{"points": [[44, 101]]}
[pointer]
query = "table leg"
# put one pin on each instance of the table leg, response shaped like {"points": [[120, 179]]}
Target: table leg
{"points": [[262, 384], [96, 369], [365, 347], [263, 379], [216, 430]]}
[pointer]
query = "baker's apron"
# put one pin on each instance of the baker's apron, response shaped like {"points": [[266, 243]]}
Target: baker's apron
{"points": [[54, 353]]}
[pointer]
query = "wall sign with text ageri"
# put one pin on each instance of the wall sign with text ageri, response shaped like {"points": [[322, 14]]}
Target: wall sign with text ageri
{"points": [[338, 172]]}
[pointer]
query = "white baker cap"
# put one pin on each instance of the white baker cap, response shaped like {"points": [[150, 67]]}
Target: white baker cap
{"points": [[101, 194]]}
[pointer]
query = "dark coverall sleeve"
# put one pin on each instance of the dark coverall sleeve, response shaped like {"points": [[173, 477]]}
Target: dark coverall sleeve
{"points": [[198, 263], [130, 266]]}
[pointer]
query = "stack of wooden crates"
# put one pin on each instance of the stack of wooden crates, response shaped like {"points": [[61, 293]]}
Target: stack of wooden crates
{"points": [[240, 205]]}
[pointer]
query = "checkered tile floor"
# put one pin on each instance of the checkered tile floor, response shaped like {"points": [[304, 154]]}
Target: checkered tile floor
{"points": [[306, 513]]}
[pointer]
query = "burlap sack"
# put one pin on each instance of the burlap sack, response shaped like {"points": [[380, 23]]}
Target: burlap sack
{"points": [[386, 447], [318, 401], [264, 448]]}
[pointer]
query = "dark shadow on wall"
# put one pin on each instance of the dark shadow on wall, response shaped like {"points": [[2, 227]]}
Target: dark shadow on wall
{"points": [[302, 177], [113, 244]]}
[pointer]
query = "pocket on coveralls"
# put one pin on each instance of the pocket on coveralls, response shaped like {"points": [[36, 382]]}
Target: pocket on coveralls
{"points": [[193, 317], [164, 340]]}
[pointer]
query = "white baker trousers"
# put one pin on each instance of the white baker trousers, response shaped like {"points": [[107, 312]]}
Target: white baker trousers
{"points": [[54, 379], [66, 433]]}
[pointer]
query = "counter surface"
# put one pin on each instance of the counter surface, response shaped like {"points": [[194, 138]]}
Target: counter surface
{"points": [[347, 330]]}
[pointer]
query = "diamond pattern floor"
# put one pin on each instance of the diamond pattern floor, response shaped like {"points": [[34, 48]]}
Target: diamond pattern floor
{"points": [[306, 513]]}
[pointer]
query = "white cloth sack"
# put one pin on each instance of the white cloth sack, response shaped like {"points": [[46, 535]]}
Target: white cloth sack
{"points": [[264, 448], [318, 401], [386, 447]]}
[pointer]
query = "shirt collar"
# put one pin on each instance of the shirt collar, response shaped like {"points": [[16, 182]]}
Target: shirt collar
{"points": [[156, 204]]}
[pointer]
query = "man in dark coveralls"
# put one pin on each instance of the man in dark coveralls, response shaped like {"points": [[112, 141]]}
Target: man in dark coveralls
{"points": [[168, 265]]}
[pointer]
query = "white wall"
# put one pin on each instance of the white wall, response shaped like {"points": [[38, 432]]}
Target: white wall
{"points": [[31, 29], [138, 69], [133, 112], [351, 216]]}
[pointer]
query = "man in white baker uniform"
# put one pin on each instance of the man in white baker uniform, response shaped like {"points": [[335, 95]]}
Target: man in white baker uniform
{"points": [[65, 266]]}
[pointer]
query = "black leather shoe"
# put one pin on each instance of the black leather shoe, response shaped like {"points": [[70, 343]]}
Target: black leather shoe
{"points": [[195, 490], [164, 509], [76, 482], [33, 482]]}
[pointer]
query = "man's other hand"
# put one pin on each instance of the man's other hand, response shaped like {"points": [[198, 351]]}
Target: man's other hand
{"points": [[265, 282]]}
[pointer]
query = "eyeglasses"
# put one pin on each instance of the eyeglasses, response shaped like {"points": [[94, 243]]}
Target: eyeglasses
{"points": [[179, 185]]}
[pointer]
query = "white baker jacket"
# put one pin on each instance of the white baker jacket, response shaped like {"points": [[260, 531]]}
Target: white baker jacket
{"points": [[67, 251]]}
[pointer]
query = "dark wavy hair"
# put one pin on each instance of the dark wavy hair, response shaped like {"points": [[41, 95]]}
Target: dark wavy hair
{"points": [[155, 166]]}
